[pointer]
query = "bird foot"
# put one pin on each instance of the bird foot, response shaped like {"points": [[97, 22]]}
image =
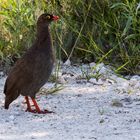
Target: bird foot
{"points": [[39, 112], [45, 112]]}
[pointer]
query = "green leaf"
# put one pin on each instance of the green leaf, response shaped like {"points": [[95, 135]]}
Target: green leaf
{"points": [[128, 25], [117, 6], [132, 36]]}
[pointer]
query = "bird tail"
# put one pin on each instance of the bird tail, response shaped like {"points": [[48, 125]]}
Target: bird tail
{"points": [[9, 98], [6, 105]]}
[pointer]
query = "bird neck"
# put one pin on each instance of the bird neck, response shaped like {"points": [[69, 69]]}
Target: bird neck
{"points": [[44, 38]]}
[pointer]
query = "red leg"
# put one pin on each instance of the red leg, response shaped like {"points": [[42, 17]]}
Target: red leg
{"points": [[38, 109], [36, 105], [29, 109], [28, 104]]}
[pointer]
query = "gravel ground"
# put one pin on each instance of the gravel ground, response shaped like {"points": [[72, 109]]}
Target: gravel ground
{"points": [[87, 108]]}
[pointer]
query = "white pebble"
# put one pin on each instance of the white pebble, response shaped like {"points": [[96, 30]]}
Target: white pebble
{"points": [[11, 117], [68, 62], [92, 64]]}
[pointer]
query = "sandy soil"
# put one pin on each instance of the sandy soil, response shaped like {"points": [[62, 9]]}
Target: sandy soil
{"points": [[103, 109]]}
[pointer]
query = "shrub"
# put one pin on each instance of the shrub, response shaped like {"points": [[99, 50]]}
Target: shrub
{"points": [[102, 31]]}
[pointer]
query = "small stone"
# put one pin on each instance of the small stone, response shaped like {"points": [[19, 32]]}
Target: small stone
{"points": [[79, 95], [99, 66], [33, 137], [128, 100], [93, 80], [83, 81], [100, 82], [61, 80], [92, 64], [68, 62], [110, 81], [17, 114], [103, 70], [102, 121], [89, 84], [117, 103], [1, 73], [11, 117], [6, 120]]}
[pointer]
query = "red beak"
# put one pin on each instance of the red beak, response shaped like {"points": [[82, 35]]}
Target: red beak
{"points": [[55, 17]]}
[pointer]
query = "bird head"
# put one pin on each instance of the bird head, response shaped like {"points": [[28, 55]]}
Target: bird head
{"points": [[46, 19]]}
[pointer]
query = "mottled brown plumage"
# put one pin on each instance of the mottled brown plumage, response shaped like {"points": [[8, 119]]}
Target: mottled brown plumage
{"points": [[32, 71]]}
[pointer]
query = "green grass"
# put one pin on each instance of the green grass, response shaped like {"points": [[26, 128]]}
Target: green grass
{"points": [[101, 31]]}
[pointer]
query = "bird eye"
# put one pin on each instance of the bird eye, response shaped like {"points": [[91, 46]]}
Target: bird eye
{"points": [[48, 17]]}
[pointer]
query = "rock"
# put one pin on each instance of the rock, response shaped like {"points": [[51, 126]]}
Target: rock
{"points": [[102, 121], [127, 100], [89, 84], [82, 81], [68, 62], [135, 77], [99, 66], [97, 82], [100, 82], [133, 81], [1, 74], [92, 64], [93, 80], [110, 81], [117, 103], [11, 117], [61, 80]]}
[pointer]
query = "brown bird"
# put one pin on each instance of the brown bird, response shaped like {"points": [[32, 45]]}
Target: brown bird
{"points": [[32, 71]]}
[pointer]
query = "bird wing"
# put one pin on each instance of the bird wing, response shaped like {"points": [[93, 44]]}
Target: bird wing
{"points": [[20, 75]]}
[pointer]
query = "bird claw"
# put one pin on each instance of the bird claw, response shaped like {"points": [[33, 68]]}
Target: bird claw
{"points": [[39, 112], [45, 111]]}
